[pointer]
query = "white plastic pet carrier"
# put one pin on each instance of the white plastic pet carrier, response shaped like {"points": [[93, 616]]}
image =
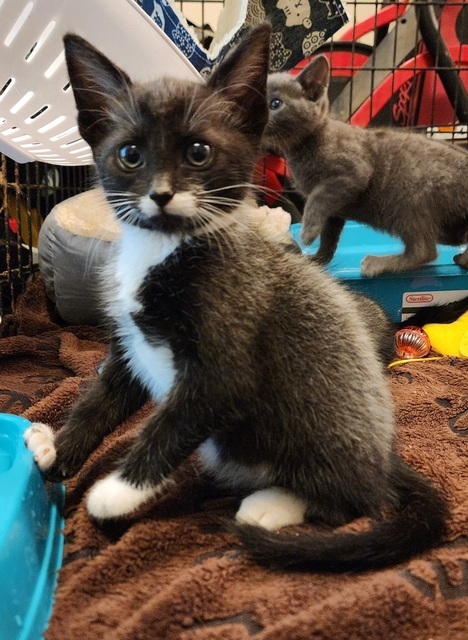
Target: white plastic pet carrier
{"points": [[37, 110]]}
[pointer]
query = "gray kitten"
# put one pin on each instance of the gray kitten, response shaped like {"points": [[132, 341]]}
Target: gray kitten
{"points": [[399, 182], [256, 358]]}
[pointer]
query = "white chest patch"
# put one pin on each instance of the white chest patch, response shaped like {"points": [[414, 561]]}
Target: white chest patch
{"points": [[153, 366], [140, 250]]}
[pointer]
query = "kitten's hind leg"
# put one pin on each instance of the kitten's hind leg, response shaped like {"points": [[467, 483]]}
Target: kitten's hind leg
{"points": [[272, 509], [462, 259], [415, 256]]}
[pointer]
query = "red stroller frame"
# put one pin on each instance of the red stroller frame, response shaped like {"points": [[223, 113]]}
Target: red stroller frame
{"points": [[427, 88]]}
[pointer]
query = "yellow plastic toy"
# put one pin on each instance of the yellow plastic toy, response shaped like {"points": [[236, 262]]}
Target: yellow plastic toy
{"points": [[449, 339]]}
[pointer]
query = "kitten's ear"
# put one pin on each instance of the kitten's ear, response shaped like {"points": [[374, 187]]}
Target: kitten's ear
{"points": [[315, 78], [95, 81], [241, 77]]}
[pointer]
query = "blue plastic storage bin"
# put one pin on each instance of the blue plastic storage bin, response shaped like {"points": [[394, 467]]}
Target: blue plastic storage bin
{"points": [[31, 537], [399, 294]]}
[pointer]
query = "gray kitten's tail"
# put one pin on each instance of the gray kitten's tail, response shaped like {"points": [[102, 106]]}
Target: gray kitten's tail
{"points": [[418, 524]]}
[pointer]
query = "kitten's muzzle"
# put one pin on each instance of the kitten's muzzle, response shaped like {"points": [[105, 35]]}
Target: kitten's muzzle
{"points": [[161, 199]]}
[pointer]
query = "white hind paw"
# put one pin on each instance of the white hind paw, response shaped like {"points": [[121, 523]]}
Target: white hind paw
{"points": [[39, 439], [272, 509]]}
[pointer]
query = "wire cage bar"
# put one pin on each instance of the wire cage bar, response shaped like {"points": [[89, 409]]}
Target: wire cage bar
{"points": [[405, 64], [395, 63], [28, 192]]}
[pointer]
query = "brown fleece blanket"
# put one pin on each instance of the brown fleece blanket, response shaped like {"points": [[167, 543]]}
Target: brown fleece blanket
{"points": [[172, 572]]}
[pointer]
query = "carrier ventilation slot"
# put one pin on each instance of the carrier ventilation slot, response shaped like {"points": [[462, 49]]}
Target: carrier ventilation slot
{"points": [[6, 87], [23, 101], [37, 45], [60, 59], [18, 24], [38, 113]]}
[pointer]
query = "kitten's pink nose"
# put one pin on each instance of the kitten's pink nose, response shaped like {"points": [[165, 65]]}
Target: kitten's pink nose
{"points": [[161, 199]]}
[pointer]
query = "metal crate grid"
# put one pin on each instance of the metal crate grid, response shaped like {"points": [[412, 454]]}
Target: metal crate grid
{"points": [[384, 72], [27, 193], [403, 64]]}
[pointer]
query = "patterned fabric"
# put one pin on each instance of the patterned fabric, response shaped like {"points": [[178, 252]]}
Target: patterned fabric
{"points": [[163, 13], [299, 27]]}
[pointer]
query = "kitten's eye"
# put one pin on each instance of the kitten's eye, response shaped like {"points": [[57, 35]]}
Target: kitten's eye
{"points": [[198, 154], [130, 156], [275, 104]]}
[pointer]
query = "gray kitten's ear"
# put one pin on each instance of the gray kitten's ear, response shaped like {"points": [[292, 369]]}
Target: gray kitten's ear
{"points": [[315, 78], [241, 77], [95, 81]]}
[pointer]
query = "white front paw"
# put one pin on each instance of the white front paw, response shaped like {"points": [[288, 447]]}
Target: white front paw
{"points": [[39, 439], [113, 497], [273, 223], [272, 509]]}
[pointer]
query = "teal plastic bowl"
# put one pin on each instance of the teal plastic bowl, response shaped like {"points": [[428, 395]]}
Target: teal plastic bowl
{"points": [[31, 537]]}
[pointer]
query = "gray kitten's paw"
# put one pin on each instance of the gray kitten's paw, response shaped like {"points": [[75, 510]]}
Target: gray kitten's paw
{"points": [[310, 233], [372, 266], [320, 258], [39, 438], [461, 259]]}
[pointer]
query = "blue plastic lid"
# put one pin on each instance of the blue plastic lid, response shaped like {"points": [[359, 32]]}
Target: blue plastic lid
{"points": [[358, 240]]}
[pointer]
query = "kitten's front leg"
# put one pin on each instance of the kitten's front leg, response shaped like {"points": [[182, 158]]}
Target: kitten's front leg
{"points": [[168, 437], [329, 238], [323, 213], [312, 222], [112, 397]]}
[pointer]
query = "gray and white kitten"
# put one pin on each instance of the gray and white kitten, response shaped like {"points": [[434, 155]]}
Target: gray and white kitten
{"points": [[256, 358], [398, 182]]}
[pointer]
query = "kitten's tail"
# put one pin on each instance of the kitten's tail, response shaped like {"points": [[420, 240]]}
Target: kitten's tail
{"points": [[439, 314], [418, 525]]}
